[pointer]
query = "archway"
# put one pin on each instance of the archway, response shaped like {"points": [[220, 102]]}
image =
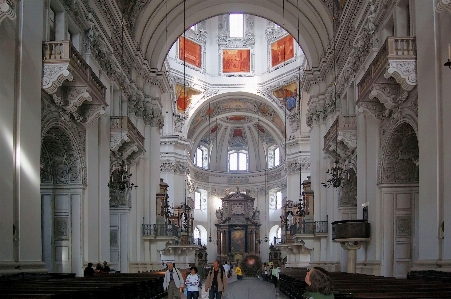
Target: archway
{"points": [[156, 25]]}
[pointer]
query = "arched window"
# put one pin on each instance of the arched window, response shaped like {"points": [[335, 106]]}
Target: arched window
{"points": [[196, 233], [238, 160], [200, 199], [201, 157], [273, 156], [236, 25]]}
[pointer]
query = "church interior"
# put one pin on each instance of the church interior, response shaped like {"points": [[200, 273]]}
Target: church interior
{"points": [[143, 132]]}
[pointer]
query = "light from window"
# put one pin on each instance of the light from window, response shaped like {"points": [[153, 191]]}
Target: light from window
{"points": [[277, 157], [279, 200], [236, 25], [279, 233], [196, 233], [197, 201], [198, 157], [237, 161]]}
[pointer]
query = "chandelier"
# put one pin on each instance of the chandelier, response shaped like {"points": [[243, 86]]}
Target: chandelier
{"points": [[120, 177], [336, 173]]}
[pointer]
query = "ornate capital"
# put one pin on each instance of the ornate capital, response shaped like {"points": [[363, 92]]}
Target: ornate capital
{"points": [[6, 10], [404, 72], [54, 75], [443, 5], [298, 165]]}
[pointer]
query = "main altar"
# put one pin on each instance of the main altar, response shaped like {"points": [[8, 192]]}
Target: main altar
{"points": [[238, 227]]}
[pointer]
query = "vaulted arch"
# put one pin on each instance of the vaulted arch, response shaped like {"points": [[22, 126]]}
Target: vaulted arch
{"points": [[159, 23]]}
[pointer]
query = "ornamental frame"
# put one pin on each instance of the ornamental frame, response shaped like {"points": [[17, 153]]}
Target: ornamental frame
{"points": [[247, 42], [274, 34], [198, 36]]}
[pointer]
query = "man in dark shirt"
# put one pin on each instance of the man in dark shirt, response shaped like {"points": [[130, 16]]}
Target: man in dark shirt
{"points": [[216, 281]]}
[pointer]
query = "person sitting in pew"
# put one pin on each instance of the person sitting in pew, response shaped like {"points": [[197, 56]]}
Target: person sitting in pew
{"points": [[89, 270], [319, 284], [106, 268]]}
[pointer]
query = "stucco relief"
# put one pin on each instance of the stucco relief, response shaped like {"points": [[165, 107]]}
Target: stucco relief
{"points": [[443, 5], [348, 192], [62, 152], [298, 165], [403, 226], [404, 72], [176, 167], [60, 228], [54, 75], [7, 10], [399, 160]]}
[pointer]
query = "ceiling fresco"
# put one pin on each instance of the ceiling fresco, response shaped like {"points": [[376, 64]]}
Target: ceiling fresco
{"points": [[242, 106]]}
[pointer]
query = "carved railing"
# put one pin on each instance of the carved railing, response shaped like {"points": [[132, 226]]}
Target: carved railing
{"points": [[274, 176], [394, 48], [161, 230], [56, 52], [311, 228]]}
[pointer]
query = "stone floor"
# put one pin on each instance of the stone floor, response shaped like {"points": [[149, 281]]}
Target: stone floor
{"points": [[204, 295]]}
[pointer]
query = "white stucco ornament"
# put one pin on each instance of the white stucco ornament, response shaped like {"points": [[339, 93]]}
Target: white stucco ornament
{"points": [[6, 10]]}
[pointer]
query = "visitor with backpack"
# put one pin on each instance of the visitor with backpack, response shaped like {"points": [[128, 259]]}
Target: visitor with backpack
{"points": [[216, 281]]}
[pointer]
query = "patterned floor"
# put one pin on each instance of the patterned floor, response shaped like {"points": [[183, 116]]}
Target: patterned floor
{"points": [[204, 295]]}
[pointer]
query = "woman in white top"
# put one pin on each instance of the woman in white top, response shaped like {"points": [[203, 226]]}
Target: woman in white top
{"points": [[192, 283]]}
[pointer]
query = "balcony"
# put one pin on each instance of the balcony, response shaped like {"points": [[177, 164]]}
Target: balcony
{"points": [[126, 140], [71, 82], [161, 230], [396, 60], [345, 127]]}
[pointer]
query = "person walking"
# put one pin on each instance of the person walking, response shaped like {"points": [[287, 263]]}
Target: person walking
{"points": [[250, 287], [192, 283], [173, 281], [216, 281]]}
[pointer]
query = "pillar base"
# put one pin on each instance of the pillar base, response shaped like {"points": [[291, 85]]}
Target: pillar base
{"points": [[351, 245]]}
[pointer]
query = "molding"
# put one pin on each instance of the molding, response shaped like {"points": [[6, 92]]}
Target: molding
{"points": [[54, 75], [443, 5], [7, 10], [404, 72]]}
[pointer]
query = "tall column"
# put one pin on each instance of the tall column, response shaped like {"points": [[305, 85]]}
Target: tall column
{"points": [[430, 132], [20, 138], [77, 242]]}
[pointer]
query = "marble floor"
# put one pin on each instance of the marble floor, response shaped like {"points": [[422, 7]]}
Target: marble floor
{"points": [[204, 295]]}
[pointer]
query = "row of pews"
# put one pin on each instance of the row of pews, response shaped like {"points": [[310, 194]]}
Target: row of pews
{"points": [[56, 286], [360, 286]]}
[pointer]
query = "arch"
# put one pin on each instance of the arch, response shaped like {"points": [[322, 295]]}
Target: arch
{"points": [[273, 234], [62, 155], [400, 152], [313, 18], [203, 233], [197, 120]]}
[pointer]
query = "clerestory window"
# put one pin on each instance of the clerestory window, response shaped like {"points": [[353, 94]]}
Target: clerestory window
{"points": [[236, 25], [238, 160]]}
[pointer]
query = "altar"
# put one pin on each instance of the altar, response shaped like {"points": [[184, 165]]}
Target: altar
{"points": [[238, 227]]}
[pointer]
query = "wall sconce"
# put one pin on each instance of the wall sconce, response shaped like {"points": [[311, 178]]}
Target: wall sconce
{"points": [[448, 63]]}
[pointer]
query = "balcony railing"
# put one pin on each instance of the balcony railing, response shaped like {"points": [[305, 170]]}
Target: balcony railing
{"points": [[124, 124], [161, 230], [310, 228], [394, 48], [55, 52]]}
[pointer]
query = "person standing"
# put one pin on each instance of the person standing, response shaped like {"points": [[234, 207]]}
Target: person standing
{"points": [[216, 281], [227, 269], [239, 273], [319, 284], [250, 287], [173, 281]]}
